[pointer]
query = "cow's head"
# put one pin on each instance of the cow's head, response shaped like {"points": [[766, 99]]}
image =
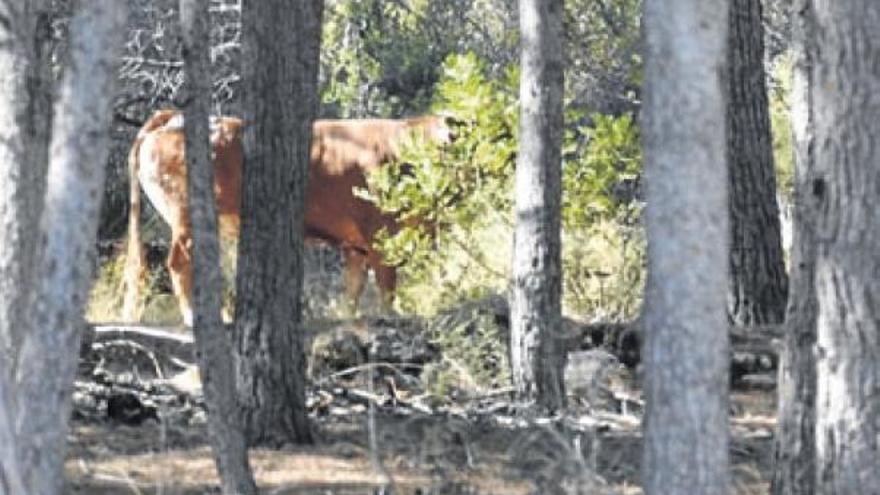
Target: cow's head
{"points": [[440, 129], [443, 128]]}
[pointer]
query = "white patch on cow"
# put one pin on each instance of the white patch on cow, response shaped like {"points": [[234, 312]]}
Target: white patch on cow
{"points": [[177, 122], [150, 177], [442, 134], [174, 123], [187, 317]]}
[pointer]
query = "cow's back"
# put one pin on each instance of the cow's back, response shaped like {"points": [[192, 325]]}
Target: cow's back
{"points": [[342, 154]]}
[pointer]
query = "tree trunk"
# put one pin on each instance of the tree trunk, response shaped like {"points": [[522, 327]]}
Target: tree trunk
{"points": [[795, 470], [846, 185], [80, 138], [11, 482], [25, 98], [281, 40], [537, 354], [214, 349], [686, 349], [758, 282]]}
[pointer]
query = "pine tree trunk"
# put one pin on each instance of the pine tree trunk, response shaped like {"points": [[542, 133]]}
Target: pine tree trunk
{"points": [[758, 282], [25, 98], [537, 351], [846, 75], [78, 153], [281, 40], [686, 352], [214, 349], [794, 472], [11, 482]]}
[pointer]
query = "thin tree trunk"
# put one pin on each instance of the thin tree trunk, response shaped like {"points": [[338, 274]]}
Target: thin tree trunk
{"points": [[214, 349], [281, 40], [686, 350], [25, 96], [758, 282], [846, 75], [11, 482], [80, 138], [537, 354], [795, 442]]}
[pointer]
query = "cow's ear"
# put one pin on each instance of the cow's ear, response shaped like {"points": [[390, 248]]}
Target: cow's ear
{"points": [[451, 125], [451, 120]]}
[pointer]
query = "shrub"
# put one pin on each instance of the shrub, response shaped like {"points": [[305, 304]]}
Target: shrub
{"points": [[780, 120], [472, 339], [465, 190], [105, 299]]}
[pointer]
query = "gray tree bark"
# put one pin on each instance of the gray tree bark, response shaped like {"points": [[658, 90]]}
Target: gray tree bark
{"points": [[11, 482], [214, 349], [846, 75], [795, 441], [281, 40], [758, 282], [537, 350], [25, 98], [80, 137], [686, 349]]}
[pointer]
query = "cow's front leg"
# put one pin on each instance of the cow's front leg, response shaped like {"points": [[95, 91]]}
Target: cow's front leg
{"points": [[355, 277], [386, 279]]}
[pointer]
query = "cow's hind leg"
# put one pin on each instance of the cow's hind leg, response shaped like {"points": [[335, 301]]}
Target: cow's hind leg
{"points": [[355, 277], [386, 279], [180, 270]]}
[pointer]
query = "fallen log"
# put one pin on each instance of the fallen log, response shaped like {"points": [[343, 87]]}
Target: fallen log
{"points": [[753, 349]]}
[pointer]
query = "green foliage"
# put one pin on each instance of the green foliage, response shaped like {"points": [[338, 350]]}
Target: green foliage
{"points": [[105, 299], [780, 120], [458, 184], [465, 264], [603, 40], [465, 190], [474, 349], [346, 69], [604, 270], [383, 58], [603, 258], [610, 156]]}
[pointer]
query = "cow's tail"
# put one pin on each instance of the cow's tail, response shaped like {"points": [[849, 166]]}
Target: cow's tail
{"points": [[136, 262]]}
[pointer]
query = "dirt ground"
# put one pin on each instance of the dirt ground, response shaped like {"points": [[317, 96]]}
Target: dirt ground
{"points": [[486, 446]]}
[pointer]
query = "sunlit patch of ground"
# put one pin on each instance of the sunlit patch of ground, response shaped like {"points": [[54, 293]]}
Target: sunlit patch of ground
{"points": [[478, 445], [421, 455], [193, 471], [107, 459]]}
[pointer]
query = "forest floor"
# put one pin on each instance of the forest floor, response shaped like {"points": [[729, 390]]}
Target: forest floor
{"points": [[139, 427]]}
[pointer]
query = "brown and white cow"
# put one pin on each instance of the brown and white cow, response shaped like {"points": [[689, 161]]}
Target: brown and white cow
{"points": [[343, 152]]}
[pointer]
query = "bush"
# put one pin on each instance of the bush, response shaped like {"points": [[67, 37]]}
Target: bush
{"points": [[604, 271], [462, 194], [105, 299], [780, 120], [473, 342]]}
